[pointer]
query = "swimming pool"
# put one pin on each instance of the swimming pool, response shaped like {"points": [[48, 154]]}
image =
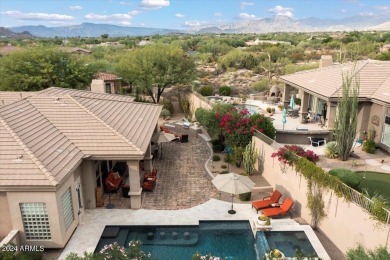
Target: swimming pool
{"points": [[231, 239], [251, 108]]}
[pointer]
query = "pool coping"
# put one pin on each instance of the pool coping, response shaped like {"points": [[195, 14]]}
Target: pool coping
{"points": [[93, 221]]}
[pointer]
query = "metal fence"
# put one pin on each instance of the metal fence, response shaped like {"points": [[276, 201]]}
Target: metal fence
{"points": [[355, 196]]}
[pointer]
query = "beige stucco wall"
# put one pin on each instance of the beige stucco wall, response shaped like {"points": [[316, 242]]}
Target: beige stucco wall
{"points": [[5, 217], [88, 183], [196, 103], [59, 236], [97, 85], [345, 224], [377, 110]]}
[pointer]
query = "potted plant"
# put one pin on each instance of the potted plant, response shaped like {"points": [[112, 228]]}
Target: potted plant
{"points": [[262, 219], [274, 254], [268, 109]]}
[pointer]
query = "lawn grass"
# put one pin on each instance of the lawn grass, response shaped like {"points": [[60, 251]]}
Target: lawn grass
{"points": [[378, 182]]}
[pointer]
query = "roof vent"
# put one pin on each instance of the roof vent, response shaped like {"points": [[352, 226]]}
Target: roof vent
{"points": [[18, 159], [57, 99], [21, 110], [59, 150]]}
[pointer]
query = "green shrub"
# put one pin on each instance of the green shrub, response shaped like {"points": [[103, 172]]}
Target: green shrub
{"points": [[297, 101], [223, 166], [228, 158], [168, 105], [330, 150], [245, 196], [224, 172], [225, 91], [268, 109], [216, 158], [369, 146], [348, 177], [360, 253], [206, 91], [165, 113]]}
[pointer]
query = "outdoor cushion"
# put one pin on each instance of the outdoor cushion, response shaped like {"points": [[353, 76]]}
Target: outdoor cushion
{"points": [[278, 212], [267, 201]]}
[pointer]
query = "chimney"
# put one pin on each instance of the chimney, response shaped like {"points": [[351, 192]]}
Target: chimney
{"points": [[326, 60]]}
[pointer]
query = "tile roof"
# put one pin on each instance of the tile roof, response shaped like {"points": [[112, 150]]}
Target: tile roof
{"points": [[374, 77], [105, 76], [7, 97], [44, 137]]}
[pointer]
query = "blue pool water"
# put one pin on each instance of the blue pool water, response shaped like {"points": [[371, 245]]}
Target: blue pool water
{"points": [[231, 239], [251, 108]]}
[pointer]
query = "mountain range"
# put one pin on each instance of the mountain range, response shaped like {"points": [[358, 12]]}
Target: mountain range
{"points": [[266, 25]]}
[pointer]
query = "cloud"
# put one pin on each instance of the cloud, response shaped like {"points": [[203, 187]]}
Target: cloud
{"points": [[38, 16], [343, 11], [193, 23], [217, 14], [125, 3], [246, 16], [112, 17], [179, 15], [384, 8], [154, 4], [280, 10], [245, 4], [75, 7], [133, 13]]}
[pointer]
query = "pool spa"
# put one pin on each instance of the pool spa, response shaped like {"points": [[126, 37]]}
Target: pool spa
{"points": [[231, 239]]}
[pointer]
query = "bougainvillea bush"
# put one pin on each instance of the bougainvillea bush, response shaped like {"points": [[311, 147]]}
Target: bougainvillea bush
{"points": [[232, 126], [288, 154]]}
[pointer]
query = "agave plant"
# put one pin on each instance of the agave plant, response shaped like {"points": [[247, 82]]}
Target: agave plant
{"points": [[330, 150]]}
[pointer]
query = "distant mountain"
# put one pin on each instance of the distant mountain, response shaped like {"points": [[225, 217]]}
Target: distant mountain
{"points": [[266, 25], [91, 30], [6, 33], [312, 24]]}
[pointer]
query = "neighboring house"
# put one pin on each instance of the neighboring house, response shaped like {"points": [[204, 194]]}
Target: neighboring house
{"points": [[258, 42], [77, 50], [106, 83], [385, 48], [8, 49], [52, 146], [319, 90]]}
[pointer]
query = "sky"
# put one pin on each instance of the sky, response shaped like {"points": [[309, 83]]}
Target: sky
{"points": [[177, 14]]}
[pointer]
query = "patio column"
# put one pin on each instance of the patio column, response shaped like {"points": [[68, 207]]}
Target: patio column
{"points": [[304, 106], [88, 183], [148, 165], [286, 95], [331, 115], [135, 184]]}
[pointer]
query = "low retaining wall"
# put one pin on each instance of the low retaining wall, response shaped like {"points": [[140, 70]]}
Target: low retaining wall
{"points": [[346, 224], [301, 136]]}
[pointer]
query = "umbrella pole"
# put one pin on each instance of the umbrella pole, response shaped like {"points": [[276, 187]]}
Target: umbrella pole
{"points": [[232, 211]]}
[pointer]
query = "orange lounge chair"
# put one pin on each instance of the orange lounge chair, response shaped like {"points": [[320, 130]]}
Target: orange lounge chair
{"points": [[279, 211], [267, 201]]}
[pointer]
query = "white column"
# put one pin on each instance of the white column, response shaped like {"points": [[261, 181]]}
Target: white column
{"points": [[88, 182], [148, 165], [135, 184]]}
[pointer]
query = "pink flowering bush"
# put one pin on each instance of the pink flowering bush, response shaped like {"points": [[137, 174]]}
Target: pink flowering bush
{"points": [[199, 256], [288, 154]]}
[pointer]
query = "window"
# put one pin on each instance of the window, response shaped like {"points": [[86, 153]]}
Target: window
{"points": [[35, 220], [108, 88], [386, 132], [67, 208]]}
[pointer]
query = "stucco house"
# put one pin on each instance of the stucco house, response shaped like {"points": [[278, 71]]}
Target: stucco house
{"points": [[319, 90], [106, 83], [52, 144]]}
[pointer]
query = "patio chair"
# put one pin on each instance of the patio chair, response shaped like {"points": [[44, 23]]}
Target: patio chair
{"points": [[267, 202], [281, 211], [149, 184], [113, 181], [317, 141]]}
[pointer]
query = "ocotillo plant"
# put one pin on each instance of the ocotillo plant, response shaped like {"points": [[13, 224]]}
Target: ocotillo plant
{"points": [[249, 158]]}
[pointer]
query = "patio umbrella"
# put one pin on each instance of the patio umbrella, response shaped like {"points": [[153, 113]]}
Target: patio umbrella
{"points": [[234, 184], [284, 117], [163, 137], [292, 102]]}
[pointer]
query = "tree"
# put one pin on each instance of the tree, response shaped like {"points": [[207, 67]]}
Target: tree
{"points": [[161, 66], [347, 112], [34, 69]]}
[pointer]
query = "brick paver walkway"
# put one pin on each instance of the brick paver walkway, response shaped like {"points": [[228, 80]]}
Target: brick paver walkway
{"points": [[182, 181]]}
